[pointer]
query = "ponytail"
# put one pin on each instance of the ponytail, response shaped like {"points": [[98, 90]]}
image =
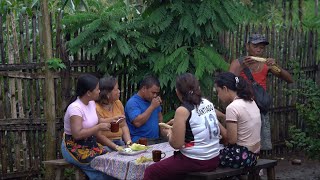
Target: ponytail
{"points": [[235, 83]]}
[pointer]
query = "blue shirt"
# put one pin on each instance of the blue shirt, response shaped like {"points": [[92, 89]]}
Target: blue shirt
{"points": [[136, 106]]}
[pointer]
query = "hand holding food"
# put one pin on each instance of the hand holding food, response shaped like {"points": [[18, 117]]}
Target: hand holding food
{"points": [[164, 125], [119, 148], [129, 143], [274, 67], [170, 122]]}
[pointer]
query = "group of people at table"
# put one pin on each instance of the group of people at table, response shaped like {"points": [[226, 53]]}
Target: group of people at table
{"points": [[197, 127]]}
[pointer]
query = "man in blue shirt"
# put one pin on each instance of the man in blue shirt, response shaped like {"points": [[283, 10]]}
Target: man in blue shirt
{"points": [[143, 111]]}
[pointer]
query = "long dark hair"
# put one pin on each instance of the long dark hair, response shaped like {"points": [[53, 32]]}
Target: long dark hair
{"points": [[235, 83], [106, 85], [189, 88], [85, 83]]}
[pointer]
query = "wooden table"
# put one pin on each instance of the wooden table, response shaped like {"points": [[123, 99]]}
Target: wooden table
{"points": [[124, 166]]}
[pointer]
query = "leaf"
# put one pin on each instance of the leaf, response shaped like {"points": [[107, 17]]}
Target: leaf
{"points": [[123, 46], [184, 65], [200, 66], [182, 51]]}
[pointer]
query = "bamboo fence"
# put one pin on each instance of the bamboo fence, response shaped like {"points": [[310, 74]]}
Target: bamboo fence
{"points": [[22, 81]]}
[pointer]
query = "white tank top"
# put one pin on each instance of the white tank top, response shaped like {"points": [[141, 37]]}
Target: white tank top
{"points": [[202, 132]]}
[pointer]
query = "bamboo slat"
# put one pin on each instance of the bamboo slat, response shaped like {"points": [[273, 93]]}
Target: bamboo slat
{"points": [[25, 163], [2, 112], [12, 88], [17, 58], [3, 155], [21, 39], [1, 42], [34, 38], [16, 151]]}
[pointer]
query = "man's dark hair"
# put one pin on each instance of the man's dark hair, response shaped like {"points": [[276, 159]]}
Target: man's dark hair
{"points": [[148, 81]]}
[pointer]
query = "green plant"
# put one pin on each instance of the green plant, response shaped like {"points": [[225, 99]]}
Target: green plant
{"points": [[69, 173], [167, 39], [308, 106], [55, 64]]}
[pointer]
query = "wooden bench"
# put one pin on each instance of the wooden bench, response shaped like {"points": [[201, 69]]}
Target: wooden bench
{"points": [[59, 165], [229, 172]]}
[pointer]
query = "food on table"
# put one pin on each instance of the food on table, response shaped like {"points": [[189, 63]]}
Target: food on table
{"points": [[164, 125], [138, 147], [143, 159]]}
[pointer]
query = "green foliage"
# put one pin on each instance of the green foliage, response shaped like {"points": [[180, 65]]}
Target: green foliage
{"points": [[313, 22], [168, 116], [55, 64], [110, 36], [308, 106], [69, 173], [167, 39], [187, 36]]}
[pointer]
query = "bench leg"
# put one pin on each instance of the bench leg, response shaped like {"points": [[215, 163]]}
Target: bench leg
{"points": [[77, 174], [271, 174], [253, 175], [58, 175]]}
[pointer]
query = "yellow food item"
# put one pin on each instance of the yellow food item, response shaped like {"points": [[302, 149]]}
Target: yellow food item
{"points": [[138, 147], [260, 59], [276, 68], [119, 148], [143, 159], [164, 125]]}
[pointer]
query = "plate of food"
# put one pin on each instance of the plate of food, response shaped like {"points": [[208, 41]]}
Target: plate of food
{"points": [[130, 152], [134, 149]]}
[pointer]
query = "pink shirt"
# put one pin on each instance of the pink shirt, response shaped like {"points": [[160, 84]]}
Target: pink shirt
{"points": [[87, 112], [247, 116]]}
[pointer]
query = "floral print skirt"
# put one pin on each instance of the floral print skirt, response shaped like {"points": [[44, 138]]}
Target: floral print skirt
{"points": [[84, 150], [236, 156]]}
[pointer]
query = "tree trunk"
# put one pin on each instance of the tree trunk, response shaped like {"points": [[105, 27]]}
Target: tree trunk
{"points": [[290, 12], [284, 10], [300, 12], [316, 36], [316, 7], [49, 109]]}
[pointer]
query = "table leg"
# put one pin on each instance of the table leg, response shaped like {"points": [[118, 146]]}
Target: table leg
{"points": [[271, 174]]}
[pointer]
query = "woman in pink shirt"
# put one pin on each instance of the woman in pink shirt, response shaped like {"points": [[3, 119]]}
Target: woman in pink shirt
{"points": [[243, 121], [79, 145]]}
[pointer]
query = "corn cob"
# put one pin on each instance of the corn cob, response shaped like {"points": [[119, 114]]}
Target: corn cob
{"points": [[276, 68], [260, 59]]}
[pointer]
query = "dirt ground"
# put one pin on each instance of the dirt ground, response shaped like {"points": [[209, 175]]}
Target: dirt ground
{"points": [[308, 170]]}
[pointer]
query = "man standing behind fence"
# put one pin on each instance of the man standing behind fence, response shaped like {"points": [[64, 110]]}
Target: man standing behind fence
{"points": [[143, 111], [259, 70]]}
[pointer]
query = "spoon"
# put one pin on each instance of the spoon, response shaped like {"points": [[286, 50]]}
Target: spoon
{"points": [[119, 120]]}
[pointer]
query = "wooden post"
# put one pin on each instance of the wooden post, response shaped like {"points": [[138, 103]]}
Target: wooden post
{"points": [[316, 45], [49, 110]]}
